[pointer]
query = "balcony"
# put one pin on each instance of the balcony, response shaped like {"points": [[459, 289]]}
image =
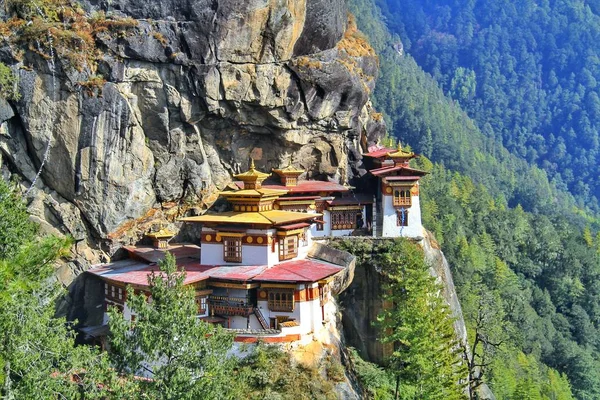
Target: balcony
{"points": [[229, 306], [402, 201]]}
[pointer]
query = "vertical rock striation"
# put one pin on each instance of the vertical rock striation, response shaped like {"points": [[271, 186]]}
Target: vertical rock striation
{"points": [[195, 90]]}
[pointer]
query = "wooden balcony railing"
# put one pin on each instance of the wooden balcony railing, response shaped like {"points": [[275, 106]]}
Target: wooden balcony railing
{"points": [[281, 305], [229, 306], [402, 201]]}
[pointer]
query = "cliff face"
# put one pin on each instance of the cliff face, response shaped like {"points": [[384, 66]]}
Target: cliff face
{"points": [[194, 91], [362, 302]]}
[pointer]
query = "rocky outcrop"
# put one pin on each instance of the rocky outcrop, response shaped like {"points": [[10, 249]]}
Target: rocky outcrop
{"points": [[362, 302], [196, 89]]}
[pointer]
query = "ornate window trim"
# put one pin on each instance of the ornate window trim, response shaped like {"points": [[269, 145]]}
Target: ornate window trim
{"points": [[232, 249]]}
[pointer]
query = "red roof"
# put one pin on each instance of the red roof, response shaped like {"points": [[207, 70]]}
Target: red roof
{"points": [[293, 226], [400, 168], [132, 272], [307, 270], [297, 198], [153, 255], [310, 187], [378, 153]]}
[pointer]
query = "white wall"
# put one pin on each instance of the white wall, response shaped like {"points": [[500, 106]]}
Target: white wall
{"points": [[212, 254], [327, 228], [390, 229]]}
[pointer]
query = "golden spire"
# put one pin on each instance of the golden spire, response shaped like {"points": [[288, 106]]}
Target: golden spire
{"points": [[252, 178], [289, 175], [401, 155]]}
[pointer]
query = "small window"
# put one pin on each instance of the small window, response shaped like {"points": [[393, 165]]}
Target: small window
{"points": [[402, 197], [232, 249], [281, 300], [320, 226], [288, 247], [402, 217], [201, 301]]}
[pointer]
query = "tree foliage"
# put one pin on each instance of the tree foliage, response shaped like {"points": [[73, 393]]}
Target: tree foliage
{"points": [[534, 69], [185, 358], [38, 357], [416, 322]]}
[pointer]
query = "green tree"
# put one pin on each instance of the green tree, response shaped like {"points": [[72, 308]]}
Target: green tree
{"points": [[186, 358], [427, 358], [15, 227], [38, 357]]}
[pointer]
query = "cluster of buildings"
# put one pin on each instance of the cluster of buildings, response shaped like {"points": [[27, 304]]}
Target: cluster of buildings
{"points": [[258, 269]]}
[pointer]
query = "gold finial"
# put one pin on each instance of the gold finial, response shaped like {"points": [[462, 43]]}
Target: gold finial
{"points": [[252, 167], [399, 146]]}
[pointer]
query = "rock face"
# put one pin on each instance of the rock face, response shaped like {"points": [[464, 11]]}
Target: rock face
{"points": [[194, 91], [362, 302]]}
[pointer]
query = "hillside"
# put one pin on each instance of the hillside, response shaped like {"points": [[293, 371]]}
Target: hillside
{"points": [[526, 72], [508, 232]]}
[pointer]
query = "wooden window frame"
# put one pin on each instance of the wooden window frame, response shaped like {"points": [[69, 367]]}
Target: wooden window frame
{"points": [[402, 197], [286, 251], [232, 249], [281, 300], [343, 220]]}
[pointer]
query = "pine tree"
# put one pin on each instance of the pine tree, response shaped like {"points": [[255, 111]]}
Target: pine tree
{"points": [[427, 354], [38, 357], [185, 358]]}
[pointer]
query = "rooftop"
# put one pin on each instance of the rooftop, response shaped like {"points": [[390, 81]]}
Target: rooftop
{"points": [[136, 273], [311, 186], [400, 168], [267, 218], [378, 153]]}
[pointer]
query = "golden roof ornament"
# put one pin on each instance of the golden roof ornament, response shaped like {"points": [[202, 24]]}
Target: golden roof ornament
{"points": [[161, 237], [289, 175], [252, 178], [401, 153]]}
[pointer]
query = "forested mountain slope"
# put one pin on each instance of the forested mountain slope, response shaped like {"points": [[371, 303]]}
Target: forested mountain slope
{"points": [[526, 71], [523, 259]]}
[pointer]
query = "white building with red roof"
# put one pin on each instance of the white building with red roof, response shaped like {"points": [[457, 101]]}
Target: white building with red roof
{"points": [[398, 209], [256, 271]]}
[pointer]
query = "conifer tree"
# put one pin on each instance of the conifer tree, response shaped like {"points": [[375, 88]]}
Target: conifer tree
{"points": [[417, 321], [38, 357], [183, 357]]}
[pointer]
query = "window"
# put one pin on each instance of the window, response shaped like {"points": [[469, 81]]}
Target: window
{"points": [[402, 217], [232, 249], [288, 247], [320, 226], [281, 300], [402, 197], [201, 302], [343, 219]]}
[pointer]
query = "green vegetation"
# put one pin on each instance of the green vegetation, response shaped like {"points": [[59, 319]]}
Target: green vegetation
{"points": [[417, 112], [38, 359], [525, 260], [8, 83], [525, 281], [527, 72], [187, 358], [269, 373], [426, 359], [59, 28]]}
